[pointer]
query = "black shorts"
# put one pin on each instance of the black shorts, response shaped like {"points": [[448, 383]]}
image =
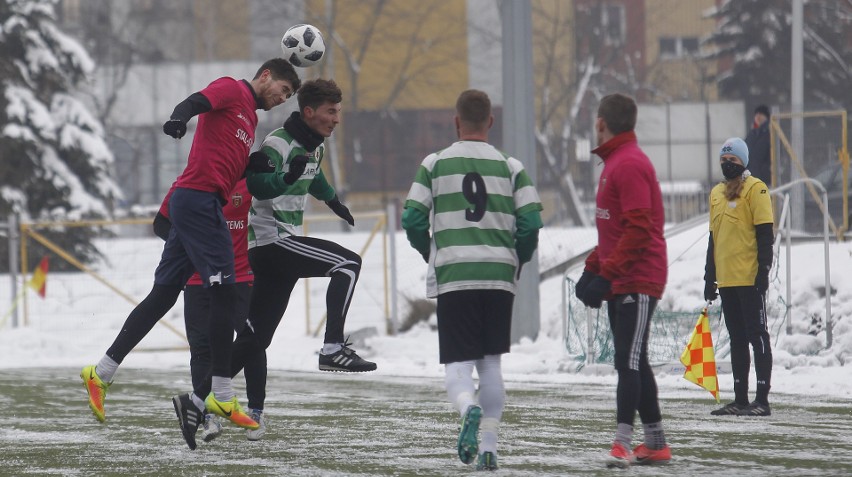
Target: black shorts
{"points": [[474, 323]]}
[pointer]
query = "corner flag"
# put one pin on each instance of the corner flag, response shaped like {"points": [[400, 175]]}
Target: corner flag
{"points": [[699, 357], [38, 282]]}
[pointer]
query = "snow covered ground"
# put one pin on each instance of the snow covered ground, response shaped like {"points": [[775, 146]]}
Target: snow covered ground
{"points": [[79, 318]]}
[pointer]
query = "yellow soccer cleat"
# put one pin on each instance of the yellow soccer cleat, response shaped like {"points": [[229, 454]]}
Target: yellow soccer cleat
{"points": [[231, 411], [96, 389]]}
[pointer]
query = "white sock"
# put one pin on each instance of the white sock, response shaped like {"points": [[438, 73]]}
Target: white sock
{"points": [[222, 389], [624, 435], [199, 403], [492, 397], [488, 428], [458, 381], [331, 348], [106, 369]]}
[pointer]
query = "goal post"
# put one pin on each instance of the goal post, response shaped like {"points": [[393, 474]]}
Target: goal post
{"points": [[825, 158]]}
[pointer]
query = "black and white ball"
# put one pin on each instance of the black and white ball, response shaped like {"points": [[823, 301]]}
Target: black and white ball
{"points": [[303, 45]]}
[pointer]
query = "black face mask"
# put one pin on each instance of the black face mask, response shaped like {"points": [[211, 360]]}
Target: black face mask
{"points": [[732, 170]]}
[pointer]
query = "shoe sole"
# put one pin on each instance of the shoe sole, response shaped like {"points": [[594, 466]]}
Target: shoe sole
{"points": [[212, 435], [650, 462], [189, 438], [335, 369], [468, 446]]}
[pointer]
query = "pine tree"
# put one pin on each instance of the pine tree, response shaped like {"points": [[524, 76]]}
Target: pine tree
{"points": [[755, 36], [55, 163]]}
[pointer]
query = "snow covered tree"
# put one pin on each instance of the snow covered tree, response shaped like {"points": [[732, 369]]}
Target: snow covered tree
{"points": [[755, 37], [55, 163]]}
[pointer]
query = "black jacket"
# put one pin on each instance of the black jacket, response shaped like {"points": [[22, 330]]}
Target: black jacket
{"points": [[759, 158]]}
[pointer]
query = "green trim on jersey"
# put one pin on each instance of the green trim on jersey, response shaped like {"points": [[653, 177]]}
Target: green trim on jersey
{"points": [[449, 166], [473, 195], [473, 272], [278, 208], [474, 236], [457, 201], [413, 204]]}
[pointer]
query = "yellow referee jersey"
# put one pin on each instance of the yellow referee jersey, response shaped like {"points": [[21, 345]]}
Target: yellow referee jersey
{"points": [[732, 224]]}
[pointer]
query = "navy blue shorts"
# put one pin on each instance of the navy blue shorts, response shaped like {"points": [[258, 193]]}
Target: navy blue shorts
{"points": [[198, 240]]}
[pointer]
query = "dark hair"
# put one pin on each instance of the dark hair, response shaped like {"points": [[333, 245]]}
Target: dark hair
{"points": [[316, 92], [280, 69], [618, 112], [762, 109], [474, 107]]}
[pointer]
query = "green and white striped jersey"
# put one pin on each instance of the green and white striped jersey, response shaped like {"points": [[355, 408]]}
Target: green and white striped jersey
{"points": [[272, 219], [473, 194]]}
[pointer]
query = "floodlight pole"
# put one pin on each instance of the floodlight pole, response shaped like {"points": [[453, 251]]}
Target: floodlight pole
{"points": [[796, 108], [518, 141]]}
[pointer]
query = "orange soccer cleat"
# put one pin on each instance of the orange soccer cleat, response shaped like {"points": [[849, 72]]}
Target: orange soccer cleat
{"points": [[643, 455], [96, 389], [231, 411]]}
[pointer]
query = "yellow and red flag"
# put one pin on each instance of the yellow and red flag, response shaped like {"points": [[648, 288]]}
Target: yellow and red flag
{"points": [[39, 280], [699, 357]]}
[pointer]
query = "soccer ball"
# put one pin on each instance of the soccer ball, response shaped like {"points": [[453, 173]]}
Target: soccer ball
{"points": [[303, 45]]}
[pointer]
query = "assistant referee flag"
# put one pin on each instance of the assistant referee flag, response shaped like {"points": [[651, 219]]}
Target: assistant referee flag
{"points": [[39, 280], [699, 357]]}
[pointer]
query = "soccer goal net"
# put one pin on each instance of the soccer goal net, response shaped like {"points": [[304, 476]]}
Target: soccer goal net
{"points": [[588, 337]]}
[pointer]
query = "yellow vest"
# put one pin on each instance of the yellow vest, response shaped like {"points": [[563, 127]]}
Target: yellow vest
{"points": [[732, 225]]}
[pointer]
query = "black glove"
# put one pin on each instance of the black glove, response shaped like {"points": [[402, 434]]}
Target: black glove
{"points": [[595, 291], [761, 281], [162, 226], [341, 210], [710, 290], [296, 169], [582, 283], [174, 128], [260, 162]]}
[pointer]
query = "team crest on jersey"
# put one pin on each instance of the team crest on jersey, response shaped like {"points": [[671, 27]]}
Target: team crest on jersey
{"points": [[237, 199]]}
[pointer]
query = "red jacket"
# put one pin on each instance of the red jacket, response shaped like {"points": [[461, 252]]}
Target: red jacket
{"points": [[631, 251]]}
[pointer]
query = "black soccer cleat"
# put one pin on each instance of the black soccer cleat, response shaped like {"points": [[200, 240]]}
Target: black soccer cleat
{"points": [[345, 360], [730, 409], [189, 418], [756, 409]]}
